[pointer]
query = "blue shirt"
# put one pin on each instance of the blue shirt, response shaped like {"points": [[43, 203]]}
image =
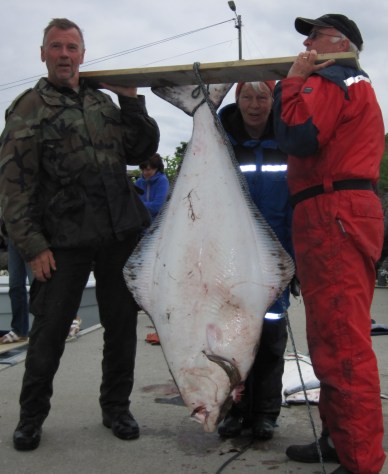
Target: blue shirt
{"points": [[155, 192]]}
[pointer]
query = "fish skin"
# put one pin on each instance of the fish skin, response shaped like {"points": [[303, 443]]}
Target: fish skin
{"points": [[209, 267], [298, 367]]}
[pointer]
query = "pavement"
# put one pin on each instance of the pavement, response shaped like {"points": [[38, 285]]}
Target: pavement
{"points": [[74, 439]]}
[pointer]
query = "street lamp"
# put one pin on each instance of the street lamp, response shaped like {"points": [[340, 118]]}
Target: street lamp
{"points": [[238, 25]]}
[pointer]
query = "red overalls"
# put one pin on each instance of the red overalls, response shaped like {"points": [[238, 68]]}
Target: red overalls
{"points": [[337, 238]]}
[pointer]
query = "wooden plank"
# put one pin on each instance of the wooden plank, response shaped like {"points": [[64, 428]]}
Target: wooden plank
{"points": [[211, 73]]}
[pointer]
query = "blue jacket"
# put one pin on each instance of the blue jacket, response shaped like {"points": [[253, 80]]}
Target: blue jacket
{"points": [[155, 192], [267, 183]]}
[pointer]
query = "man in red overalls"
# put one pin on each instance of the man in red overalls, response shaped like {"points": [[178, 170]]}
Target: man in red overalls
{"points": [[329, 122]]}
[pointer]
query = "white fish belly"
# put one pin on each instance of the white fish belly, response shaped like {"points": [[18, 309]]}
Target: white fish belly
{"points": [[206, 275]]}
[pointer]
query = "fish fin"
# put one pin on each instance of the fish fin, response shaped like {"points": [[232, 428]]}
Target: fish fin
{"points": [[189, 98], [214, 340], [213, 336]]}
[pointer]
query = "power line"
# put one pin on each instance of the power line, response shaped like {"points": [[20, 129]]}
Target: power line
{"points": [[154, 43], [190, 52], [27, 80]]}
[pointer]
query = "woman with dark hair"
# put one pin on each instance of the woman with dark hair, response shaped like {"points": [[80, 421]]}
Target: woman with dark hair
{"points": [[154, 184]]}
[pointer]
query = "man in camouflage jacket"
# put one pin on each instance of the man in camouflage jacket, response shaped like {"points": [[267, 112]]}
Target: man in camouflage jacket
{"points": [[67, 204]]}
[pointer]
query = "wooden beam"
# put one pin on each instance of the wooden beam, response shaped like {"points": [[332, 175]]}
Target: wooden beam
{"points": [[211, 73]]}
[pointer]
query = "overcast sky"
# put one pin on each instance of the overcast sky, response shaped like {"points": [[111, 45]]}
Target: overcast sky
{"points": [[118, 25]]}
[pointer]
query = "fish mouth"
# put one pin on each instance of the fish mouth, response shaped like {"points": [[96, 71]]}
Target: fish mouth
{"points": [[201, 412], [234, 378], [204, 416]]}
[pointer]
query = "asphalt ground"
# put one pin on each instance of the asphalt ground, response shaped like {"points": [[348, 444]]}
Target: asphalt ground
{"points": [[75, 441]]}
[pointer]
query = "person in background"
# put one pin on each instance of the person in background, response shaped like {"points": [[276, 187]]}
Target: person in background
{"points": [[74, 328], [328, 120], [380, 267], [248, 123], [67, 205], [18, 272], [154, 184]]}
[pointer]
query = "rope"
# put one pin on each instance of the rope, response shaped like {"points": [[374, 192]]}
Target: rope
{"points": [[205, 91], [234, 457], [305, 393]]}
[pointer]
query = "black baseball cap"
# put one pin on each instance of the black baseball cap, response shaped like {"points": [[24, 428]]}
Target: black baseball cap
{"points": [[332, 20]]}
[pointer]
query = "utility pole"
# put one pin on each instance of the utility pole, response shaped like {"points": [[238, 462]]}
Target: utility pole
{"points": [[237, 25]]}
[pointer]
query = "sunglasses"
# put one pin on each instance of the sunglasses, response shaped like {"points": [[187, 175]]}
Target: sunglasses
{"points": [[315, 33]]}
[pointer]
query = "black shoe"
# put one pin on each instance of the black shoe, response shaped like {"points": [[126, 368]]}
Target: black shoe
{"points": [[27, 435], [123, 425], [309, 452], [233, 425], [263, 429]]}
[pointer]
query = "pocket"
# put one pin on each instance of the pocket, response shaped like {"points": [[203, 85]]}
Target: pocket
{"points": [[367, 224], [366, 204]]}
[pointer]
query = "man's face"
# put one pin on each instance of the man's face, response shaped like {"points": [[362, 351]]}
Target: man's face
{"points": [[63, 52], [326, 40], [255, 105]]}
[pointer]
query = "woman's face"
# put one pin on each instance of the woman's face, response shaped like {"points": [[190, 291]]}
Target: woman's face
{"points": [[148, 172], [255, 105]]}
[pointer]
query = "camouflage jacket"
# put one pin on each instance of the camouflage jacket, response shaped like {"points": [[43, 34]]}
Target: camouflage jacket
{"points": [[63, 160]]}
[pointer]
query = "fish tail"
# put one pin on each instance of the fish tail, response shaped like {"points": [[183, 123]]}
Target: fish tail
{"points": [[189, 98]]}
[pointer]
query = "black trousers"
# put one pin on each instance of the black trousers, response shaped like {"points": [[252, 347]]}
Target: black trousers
{"points": [[54, 304], [262, 395]]}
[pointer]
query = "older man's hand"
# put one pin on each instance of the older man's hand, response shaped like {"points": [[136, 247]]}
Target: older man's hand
{"points": [[304, 64]]}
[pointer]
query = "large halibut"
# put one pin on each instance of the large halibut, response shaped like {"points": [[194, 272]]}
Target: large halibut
{"points": [[209, 267]]}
